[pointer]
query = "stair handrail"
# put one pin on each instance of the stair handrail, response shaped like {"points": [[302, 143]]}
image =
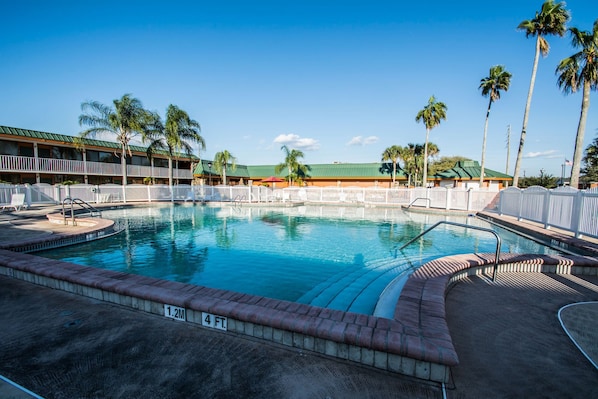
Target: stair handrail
{"points": [[429, 202], [83, 204], [498, 239]]}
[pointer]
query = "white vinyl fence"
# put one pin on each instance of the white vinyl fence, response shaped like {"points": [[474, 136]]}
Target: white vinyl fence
{"points": [[564, 207], [436, 198]]}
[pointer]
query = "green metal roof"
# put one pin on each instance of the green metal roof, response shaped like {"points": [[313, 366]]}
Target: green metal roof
{"points": [[63, 138], [202, 168], [375, 170], [334, 171], [465, 170]]}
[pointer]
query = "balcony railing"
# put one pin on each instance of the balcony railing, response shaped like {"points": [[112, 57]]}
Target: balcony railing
{"points": [[18, 164]]}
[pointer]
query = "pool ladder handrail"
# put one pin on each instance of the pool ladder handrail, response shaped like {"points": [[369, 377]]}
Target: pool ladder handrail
{"points": [[82, 204], [498, 240], [428, 202]]}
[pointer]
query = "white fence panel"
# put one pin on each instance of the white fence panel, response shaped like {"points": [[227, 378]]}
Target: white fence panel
{"points": [[6, 191], [588, 215], [42, 193], [561, 203], [532, 205], [85, 192], [136, 192], [158, 192], [510, 201], [566, 208], [482, 199], [460, 199], [110, 193], [437, 197]]}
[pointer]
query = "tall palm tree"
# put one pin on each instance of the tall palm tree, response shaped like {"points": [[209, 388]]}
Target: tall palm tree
{"points": [[126, 119], [393, 153], [551, 20], [174, 136], [431, 115], [291, 163], [499, 79], [222, 160], [580, 71]]}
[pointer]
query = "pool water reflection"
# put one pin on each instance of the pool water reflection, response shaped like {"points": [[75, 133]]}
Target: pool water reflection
{"points": [[336, 257]]}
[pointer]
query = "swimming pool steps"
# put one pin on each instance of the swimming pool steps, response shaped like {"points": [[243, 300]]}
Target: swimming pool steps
{"points": [[345, 290]]}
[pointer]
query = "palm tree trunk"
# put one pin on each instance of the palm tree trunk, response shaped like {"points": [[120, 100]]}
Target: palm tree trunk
{"points": [[170, 172], [425, 178], [224, 175], [526, 114], [394, 171], [484, 144], [123, 165], [581, 128]]}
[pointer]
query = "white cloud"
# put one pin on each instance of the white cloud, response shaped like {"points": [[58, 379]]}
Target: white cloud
{"points": [[295, 141], [360, 140], [370, 140], [542, 154]]}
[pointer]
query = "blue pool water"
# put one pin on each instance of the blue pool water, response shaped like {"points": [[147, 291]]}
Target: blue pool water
{"points": [[341, 258]]}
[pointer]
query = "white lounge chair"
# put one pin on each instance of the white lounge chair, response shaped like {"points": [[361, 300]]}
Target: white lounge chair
{"points": [[16, 202]]}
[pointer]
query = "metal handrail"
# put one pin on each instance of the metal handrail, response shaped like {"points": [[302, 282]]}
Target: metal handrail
{"points": [[498, 240], [418, 198], [84, 205]]}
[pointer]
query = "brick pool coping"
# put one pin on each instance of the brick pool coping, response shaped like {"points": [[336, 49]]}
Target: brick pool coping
{"points": [[417, 342]]}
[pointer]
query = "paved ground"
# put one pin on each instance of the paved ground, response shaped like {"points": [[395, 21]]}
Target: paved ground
{"points": [[507, 334]]}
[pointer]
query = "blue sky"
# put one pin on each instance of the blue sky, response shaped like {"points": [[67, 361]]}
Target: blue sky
{"points": [[339, 80]]}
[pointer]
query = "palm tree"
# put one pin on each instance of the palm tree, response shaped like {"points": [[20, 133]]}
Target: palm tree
{"points": [[551, 20], [291, 163], [580, 71], [412, 157], [432, 151], [126, 119], [174, 136], [431, 115], [408, 156], [393, 153], [499, 79], [222, 160]]}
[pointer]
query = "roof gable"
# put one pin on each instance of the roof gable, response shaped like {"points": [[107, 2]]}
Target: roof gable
{"points": [[464, 170]]}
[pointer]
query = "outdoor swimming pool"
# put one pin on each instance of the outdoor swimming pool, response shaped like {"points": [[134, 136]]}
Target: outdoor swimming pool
{"points": [[335, 257]]}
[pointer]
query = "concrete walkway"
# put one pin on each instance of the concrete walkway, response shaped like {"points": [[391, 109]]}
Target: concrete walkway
{"points": [[507, 334]]}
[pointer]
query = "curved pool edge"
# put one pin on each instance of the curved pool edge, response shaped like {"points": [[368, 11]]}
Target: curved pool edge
{"points": [[417, 342], [89, 229]]}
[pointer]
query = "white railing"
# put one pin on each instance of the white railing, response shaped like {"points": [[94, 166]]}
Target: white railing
{"points": [[439, 197], [12, 163], [564, 207]]}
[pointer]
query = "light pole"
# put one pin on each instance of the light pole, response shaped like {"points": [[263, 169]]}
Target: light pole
{"points": [[210, 176], [542, 177]]}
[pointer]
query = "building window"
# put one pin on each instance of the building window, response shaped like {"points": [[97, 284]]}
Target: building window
{"points": [[26, 150], [9, 148]]}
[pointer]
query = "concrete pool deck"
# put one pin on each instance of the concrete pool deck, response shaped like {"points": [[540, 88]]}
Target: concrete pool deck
{"points": [[336, 378]]}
